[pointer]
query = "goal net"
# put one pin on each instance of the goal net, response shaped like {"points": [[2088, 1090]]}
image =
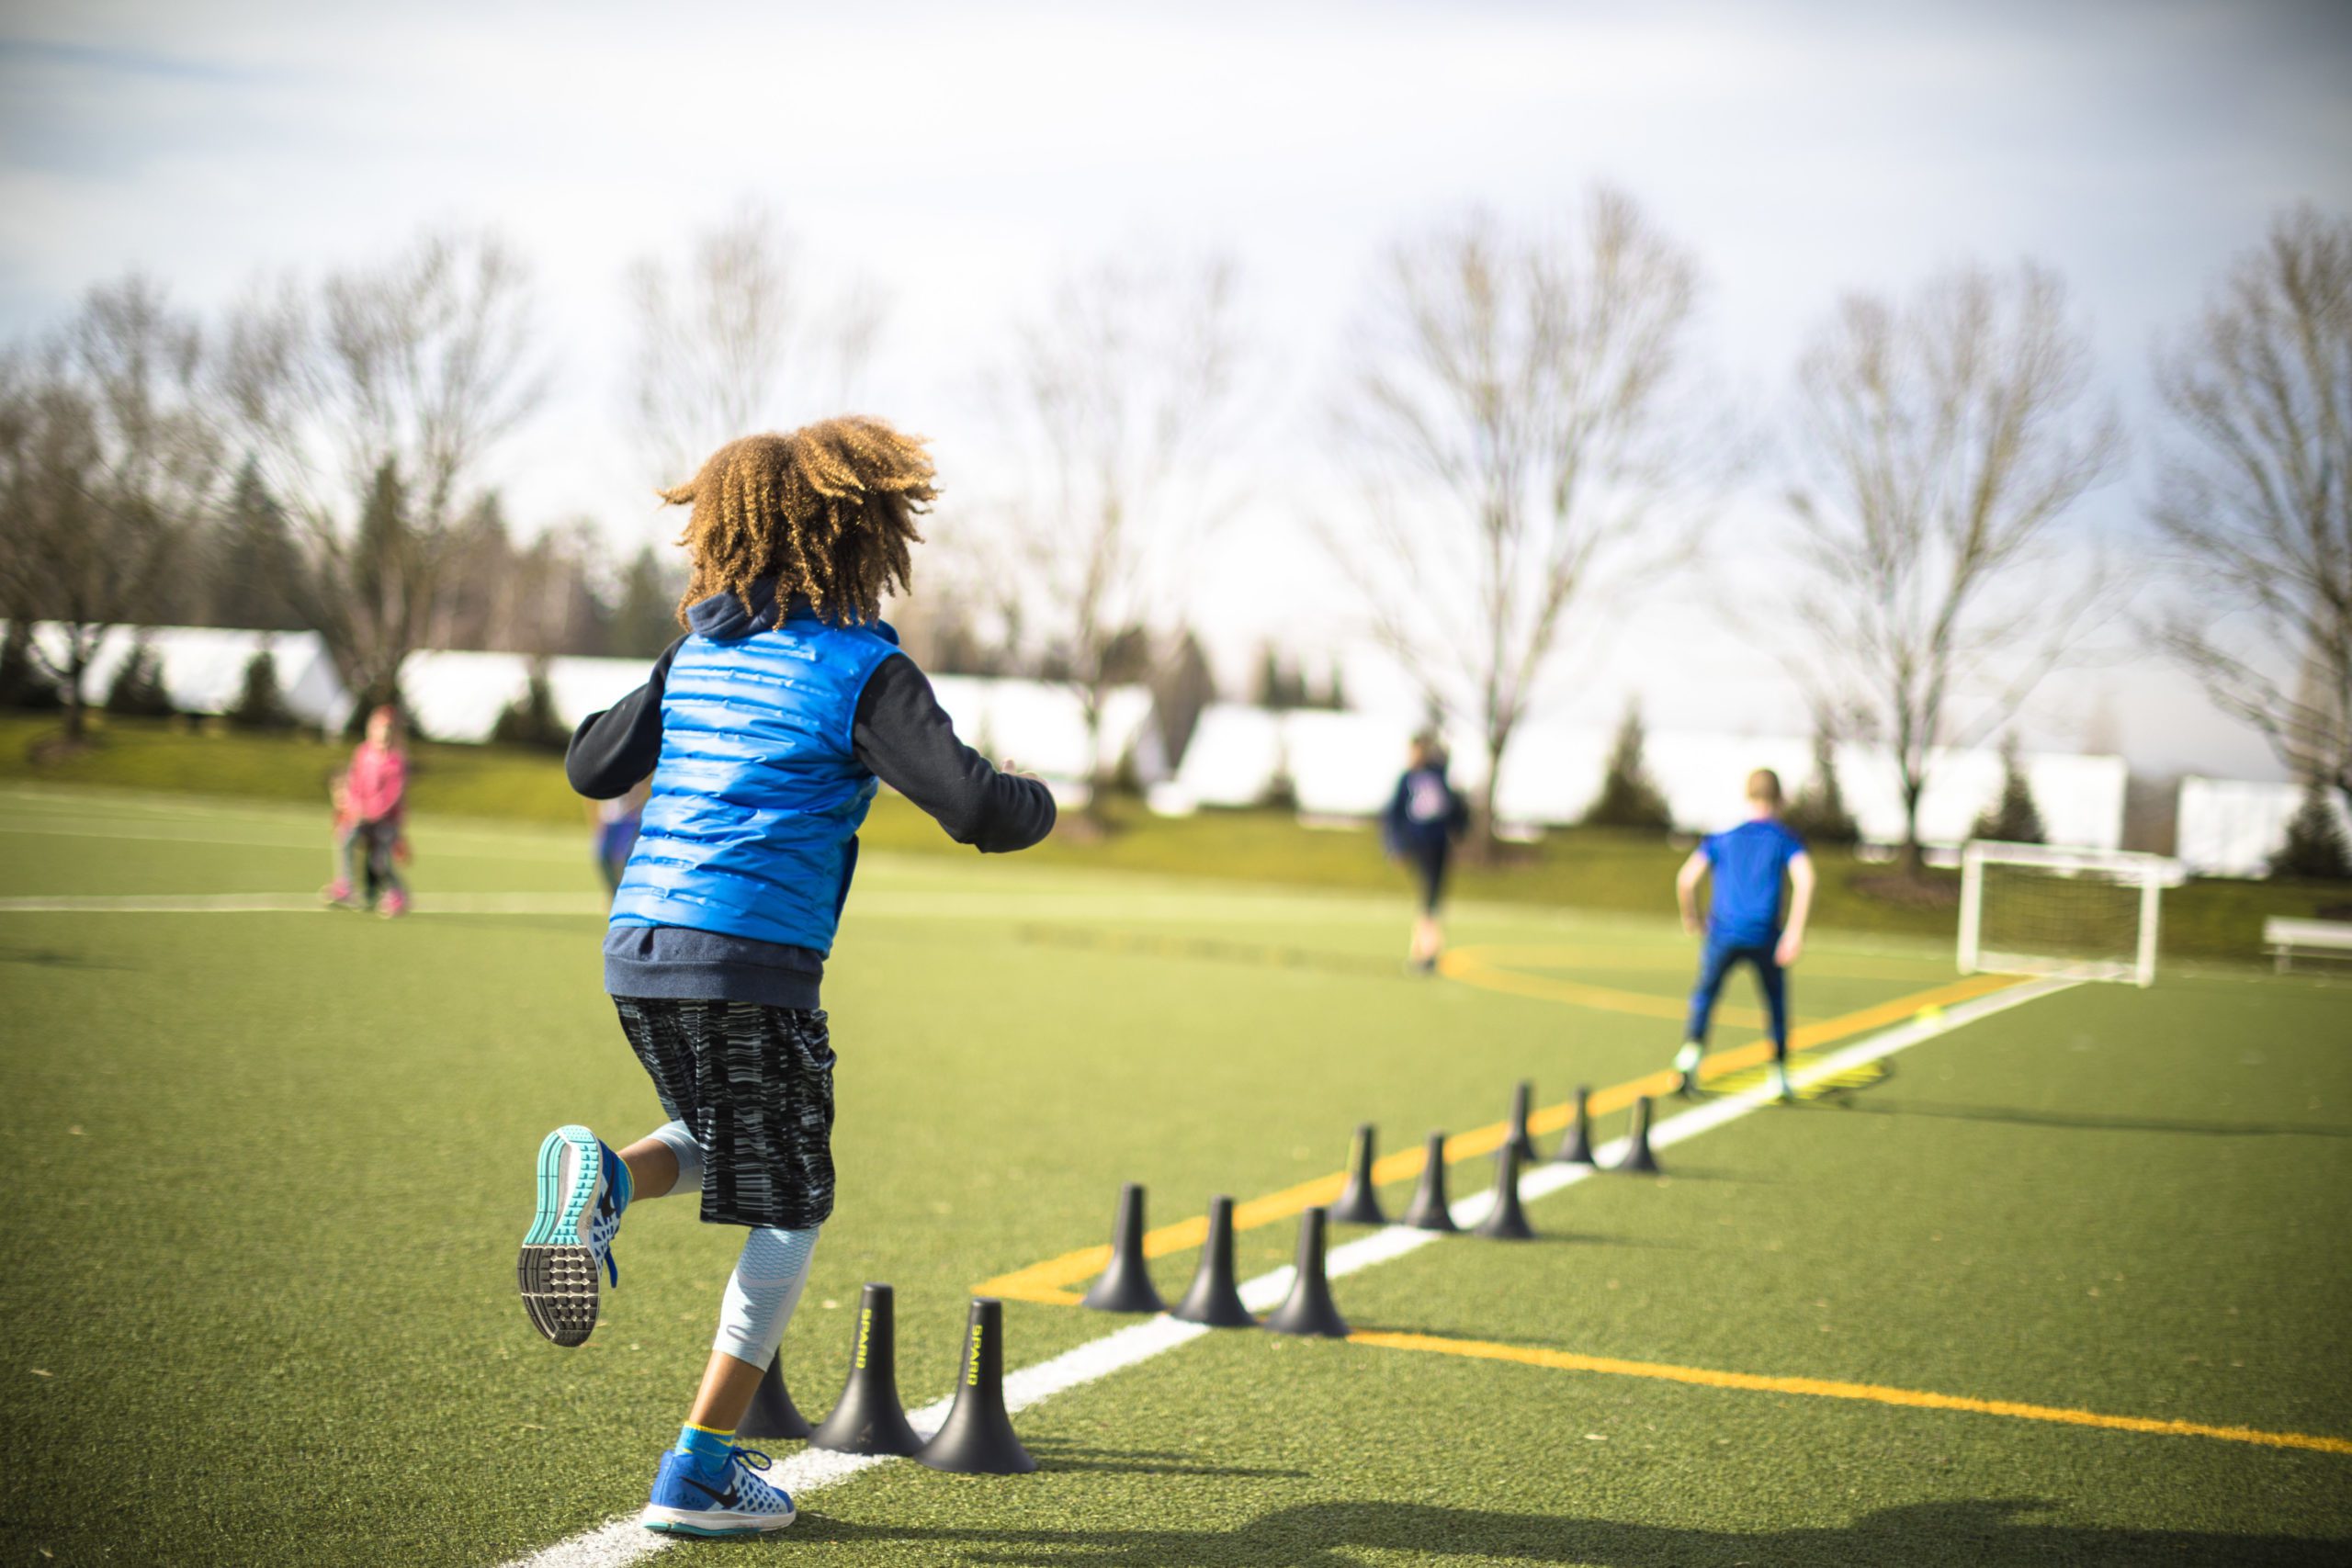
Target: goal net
{"points": [[2043, 909]]}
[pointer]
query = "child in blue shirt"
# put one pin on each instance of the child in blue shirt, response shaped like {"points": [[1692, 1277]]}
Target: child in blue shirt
{"points": [[764, 731], [1744, 923]]}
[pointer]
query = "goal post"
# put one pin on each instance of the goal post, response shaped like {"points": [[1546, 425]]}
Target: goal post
{"points": [[2051, 910]]}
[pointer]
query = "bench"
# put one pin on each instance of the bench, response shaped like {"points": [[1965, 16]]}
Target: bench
{"points": [[2285, 938]]}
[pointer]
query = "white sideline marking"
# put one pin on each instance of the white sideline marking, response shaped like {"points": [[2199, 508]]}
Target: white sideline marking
{"points": [[300, 904], [880, 904], [812, 1470]]}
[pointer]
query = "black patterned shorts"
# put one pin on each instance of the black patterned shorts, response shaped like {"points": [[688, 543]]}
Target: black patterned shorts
{"points": [[755, 1087]]}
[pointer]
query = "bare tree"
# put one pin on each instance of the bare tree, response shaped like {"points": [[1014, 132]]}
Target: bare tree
{"points": [[1944, 443], [2255, 497], [373, 402], [1520, 407], [1117, 403], [724, 340], [107, 462]]}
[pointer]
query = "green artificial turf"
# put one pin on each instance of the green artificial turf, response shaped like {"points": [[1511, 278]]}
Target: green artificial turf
{"points": [[263, 1176]]}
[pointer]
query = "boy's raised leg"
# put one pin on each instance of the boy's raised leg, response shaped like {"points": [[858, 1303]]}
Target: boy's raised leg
{"points": [[583, 1188]]}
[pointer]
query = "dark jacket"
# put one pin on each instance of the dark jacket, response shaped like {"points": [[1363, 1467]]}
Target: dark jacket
{"points": [[1425, 816]]}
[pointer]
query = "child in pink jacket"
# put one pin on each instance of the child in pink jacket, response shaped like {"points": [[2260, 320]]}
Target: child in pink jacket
{"points": [[372, 794]]}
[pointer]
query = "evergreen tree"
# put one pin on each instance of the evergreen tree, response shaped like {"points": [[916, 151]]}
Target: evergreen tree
{"points": [[1126, 658], [1818, 813], [254, 574], [23, 683], [2314, 849], [1180, 690], [1280, 686], [1629, 797], [2013, 818], [531, 720], [371, 632], [138, 687], [261, 702], [645, 620]]}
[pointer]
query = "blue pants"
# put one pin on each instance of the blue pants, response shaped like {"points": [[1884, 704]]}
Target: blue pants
{"points": [[1716, 965]]}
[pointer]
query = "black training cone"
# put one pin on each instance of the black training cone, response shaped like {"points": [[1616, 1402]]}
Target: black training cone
{"points": [[1507, 1221], [1214, 1298], [1428, 1210], [1521, 1099], [976, 1439], [1309, 1308], [1125, 1285], [1359, 1202], [1577, 1147], [771, 1413], [1638, 1158], [868, 1419]]}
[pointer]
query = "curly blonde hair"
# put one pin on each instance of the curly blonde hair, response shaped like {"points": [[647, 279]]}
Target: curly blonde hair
{"points": [[828, 509]]}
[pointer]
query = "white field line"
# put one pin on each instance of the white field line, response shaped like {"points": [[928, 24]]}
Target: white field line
{"points": [[300, 904], [812, 1470], [876, 906]]}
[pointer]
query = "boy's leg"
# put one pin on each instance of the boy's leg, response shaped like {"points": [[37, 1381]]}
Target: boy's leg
{"points": [[1773, 981], [760, 1296], [1714, 963], [1428, 936], [665, 1162], [703, 1487]]}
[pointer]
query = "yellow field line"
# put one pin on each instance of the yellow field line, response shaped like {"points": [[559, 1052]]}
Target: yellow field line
{"points": [[1571, 956], [1050, 1281], [1466, 965], [1821, 1388]]}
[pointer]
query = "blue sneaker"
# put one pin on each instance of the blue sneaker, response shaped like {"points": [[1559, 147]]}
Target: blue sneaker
{"points": [[738, 1502], [583, 1192]]}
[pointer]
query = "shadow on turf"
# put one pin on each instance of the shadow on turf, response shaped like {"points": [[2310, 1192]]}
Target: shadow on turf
{"points": [[1053, 1455], [1330, 1535], [2088, 1122], [49, 958]]}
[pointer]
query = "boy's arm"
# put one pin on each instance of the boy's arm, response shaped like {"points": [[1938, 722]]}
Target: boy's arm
{"points": [[907, 738], [613, 750], [1801, 881], [1686, 888]]}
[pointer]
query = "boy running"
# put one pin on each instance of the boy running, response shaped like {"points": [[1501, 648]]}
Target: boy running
{"points": [[765, 729], [1744, 920]]}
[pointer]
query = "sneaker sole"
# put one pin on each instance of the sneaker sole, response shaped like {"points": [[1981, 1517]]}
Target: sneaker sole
{"points": [[713, 1525], [555, 1271]]}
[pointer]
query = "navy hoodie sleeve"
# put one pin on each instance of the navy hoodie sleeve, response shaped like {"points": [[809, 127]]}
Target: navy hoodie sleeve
{"points": [[907, 738], [612, 750]]}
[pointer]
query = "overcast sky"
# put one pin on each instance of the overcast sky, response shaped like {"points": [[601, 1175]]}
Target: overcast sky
{"points": [[965, 157]]}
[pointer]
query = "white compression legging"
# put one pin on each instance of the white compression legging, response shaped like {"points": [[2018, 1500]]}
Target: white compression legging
{"points": [[762, 1293], [766, 1283]]}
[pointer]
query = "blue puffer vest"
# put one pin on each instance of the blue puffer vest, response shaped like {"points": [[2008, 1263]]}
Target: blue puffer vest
{"points": [[751, 830]]}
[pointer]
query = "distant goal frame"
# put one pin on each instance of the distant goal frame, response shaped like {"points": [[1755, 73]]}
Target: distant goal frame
{"points": [[2149, 874]]}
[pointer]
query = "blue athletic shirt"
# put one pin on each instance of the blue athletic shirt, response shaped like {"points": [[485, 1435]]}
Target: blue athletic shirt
{"points": [[1747, 862]]}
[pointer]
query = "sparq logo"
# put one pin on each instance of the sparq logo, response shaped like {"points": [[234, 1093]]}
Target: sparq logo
{"points": [[865, 1328], [972, 1362]]}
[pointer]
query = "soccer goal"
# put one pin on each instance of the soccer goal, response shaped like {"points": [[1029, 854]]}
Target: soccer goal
{"points": [[2044, 909]]}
